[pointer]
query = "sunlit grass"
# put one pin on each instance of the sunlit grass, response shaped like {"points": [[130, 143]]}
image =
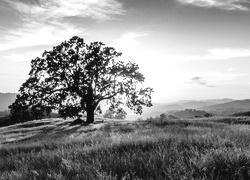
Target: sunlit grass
{"points": [[205, 148]]}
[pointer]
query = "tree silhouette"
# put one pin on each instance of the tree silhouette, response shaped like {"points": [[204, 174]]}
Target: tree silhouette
{"points": [[75, 77]]}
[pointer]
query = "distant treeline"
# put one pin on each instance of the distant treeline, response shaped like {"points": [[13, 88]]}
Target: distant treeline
{"points": [[4, 113], [6, 121], [242, 114]]}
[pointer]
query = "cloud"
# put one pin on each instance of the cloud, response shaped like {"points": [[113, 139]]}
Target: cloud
{"points": [[129, 40], [25, 56], [212, 54], [35, 34], [214, 79], [221, 78], [53, 9], [228, 53], [200, 81], [6, 74], [43, 20], [221, 4]]}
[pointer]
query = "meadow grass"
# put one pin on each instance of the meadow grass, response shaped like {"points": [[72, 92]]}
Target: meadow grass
{"points": [[204, 148]]}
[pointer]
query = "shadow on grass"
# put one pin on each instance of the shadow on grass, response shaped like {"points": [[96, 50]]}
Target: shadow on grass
{"points": [[44, 131], [164, 122], [29, 125]]}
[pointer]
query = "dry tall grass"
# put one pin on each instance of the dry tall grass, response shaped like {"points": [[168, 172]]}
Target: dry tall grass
{"points": [[208, 148]]}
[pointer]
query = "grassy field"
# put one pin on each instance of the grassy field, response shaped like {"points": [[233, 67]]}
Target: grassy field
{"points": [[205, 148]]}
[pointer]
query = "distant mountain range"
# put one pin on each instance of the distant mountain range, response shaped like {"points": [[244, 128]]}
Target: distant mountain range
{"points": [[215, 106], [189, 113], [197, 104], [6, 99], [186, 104], [228, 108]]}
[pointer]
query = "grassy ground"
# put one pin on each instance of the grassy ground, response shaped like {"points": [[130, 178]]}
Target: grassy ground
{"points": [[205, 148]]}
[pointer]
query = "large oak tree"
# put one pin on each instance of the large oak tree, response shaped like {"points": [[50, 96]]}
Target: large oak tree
{"points": [[75, 77]]}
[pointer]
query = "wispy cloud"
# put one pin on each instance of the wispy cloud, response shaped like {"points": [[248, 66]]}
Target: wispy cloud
{"points": [[228, 53], [26, 56], [223, 77], [214, 79], [36, 33], [212, 54], [221, 4], [43, 21], [6, 74], [129, 40], [199, 81], [54, 9]]}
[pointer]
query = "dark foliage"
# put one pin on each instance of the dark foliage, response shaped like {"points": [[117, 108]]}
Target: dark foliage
{"points": [[5, 121], [74, 78], [242, 114]]}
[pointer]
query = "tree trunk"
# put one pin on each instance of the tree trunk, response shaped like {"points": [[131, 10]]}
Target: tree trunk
{"points": [[90, 115], [90, 108]]}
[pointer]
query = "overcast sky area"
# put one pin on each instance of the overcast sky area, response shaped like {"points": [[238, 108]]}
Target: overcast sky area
{"points": [[187, 49]]}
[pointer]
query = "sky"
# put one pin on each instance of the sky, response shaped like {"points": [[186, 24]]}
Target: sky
{"points": [[186, 49]]}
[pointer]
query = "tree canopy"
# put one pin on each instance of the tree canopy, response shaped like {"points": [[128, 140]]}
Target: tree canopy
{"points": [[75, 77]]}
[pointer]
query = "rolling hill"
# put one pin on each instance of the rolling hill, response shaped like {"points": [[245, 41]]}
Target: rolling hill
{"points": [[197, 104], [189, 113], [170, 108], [228, 108], [6, 99]]}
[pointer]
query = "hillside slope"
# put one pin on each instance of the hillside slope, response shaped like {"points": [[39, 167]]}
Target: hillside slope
{"points": [[229, 107], [45, 129], [205, 148], [198, 104], [6, 99], [159, 108], [189, 113]]}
